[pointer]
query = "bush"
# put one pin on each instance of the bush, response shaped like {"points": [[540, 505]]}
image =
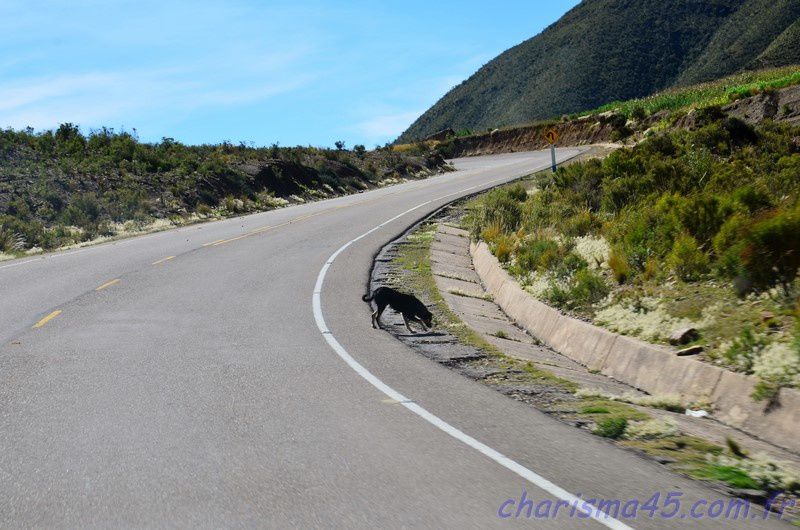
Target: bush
{"points": [[742, 352], [491, 232], [753, 200], [619, 266], [537, 255], [687, 260], [776, 367], [612, 428], [501, 206], [580, 224], [503, 248], [567, 264], [517, 192], [11, 242], [588, 289], [771, 252], [702, 216], [728, 242], [650, 430]]}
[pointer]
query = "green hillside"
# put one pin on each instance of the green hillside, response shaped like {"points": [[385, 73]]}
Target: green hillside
{"points": [[60, 188], [606, 50]]}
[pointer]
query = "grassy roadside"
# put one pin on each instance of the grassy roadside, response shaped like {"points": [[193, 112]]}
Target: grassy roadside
{"points": [[414, 260], [622, 423]]}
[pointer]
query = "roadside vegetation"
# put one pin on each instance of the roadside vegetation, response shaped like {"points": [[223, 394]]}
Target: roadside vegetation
{"points": [[689, 229], [626, 420], [718, 92], [63, 187]]}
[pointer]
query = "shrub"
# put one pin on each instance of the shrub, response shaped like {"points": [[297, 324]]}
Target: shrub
{"points": [[771, 252], [517, 192], [537, 255], [557, 295], [10, 241], [756, 472], [752, 199], [742, 352], [687, 260], [567, 266], [650, 429], [491, 232], [588, 289], [84, 211], [728, 242], [702, 216], [776, 367], [612, 428], [619, 266], [580, 224], [731, 475], [503, 247], [638, 113], [501, 206], [652, 269]]}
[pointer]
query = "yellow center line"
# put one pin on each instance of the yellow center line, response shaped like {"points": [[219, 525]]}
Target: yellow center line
{"points": [[47, 319], [272, 227], [107, 284], [163, 260]]}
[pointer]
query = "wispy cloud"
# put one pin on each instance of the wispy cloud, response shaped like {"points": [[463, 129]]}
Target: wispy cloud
{"points": [[263, 70], [386, 126]]}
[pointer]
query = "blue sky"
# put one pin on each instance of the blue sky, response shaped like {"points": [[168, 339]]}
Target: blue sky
{"points": [[297, 73]]}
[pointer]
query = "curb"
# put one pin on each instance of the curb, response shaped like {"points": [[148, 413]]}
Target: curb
{"points": [[648, 367]]}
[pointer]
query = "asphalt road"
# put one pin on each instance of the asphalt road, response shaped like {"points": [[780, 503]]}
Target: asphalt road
{"points": [[200, 390]]}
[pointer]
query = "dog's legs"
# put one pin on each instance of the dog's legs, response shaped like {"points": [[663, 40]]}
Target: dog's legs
{"points": [[374, 315], [421, 323], [405, 319]]}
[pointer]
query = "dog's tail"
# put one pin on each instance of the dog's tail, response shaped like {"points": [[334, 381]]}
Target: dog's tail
{"points": [[367, 297]]}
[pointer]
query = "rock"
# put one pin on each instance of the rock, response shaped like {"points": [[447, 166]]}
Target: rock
{"points": [[767, 315], [691, 350], [752, 494], [664, 460], [684, 336]]}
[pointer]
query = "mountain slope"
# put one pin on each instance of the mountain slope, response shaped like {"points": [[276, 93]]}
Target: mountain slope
{"points": [[742, 38], [785, 49], [604, 50]]}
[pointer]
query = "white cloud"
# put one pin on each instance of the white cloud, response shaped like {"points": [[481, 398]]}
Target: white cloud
{"points": [[98, 98]]}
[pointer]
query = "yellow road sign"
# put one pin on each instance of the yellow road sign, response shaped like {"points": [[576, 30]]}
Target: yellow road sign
{"points": [[551, 136]]}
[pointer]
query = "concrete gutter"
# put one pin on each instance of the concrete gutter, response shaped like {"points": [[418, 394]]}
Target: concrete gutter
{"points": [[648, 367]]}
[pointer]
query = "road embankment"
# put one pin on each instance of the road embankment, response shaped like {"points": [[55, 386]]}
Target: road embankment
{"points": [[651, 368]]}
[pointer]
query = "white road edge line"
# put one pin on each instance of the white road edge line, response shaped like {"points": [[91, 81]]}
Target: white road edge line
{"points": [[519, 469]]}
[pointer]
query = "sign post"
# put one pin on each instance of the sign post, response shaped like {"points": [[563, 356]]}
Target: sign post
{"points": [[552, 137]]}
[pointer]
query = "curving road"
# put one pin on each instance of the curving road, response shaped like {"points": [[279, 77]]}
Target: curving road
{"points": [[196, 377]]}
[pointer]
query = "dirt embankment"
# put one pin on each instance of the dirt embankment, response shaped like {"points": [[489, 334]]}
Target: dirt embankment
{"points": [[777, 105], [587, 130]]}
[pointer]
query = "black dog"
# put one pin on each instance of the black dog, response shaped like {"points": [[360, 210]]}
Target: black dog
{"points": [[407, 305]]}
